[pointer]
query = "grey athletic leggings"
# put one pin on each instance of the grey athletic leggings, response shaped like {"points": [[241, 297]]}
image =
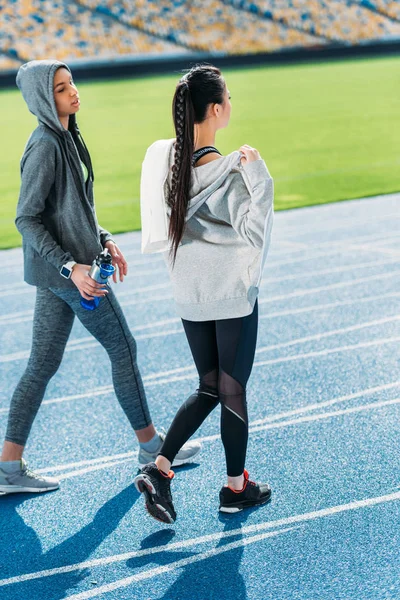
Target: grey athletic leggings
{"points": [[55, 311]]}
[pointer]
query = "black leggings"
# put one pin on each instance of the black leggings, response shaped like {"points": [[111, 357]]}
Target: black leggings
{"points": [[223, 352]]}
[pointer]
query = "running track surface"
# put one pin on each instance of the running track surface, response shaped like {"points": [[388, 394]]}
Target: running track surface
{"points": [[324, 408]]}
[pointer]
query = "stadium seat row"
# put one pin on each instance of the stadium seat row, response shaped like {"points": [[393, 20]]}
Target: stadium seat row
{"points": [[68, 31], [334, 20]]}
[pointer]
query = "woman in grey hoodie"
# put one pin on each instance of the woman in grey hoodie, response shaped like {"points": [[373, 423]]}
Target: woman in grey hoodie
{"points": [[212, 216], [61, 237]]}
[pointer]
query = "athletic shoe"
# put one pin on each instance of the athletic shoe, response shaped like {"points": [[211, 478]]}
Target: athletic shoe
{"points": [[252, 494], [22, 479], [185, 455], [156, 487]]}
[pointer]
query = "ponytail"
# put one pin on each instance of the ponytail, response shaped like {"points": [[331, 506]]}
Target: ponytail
{"points": [[198, 88], [183, 116]]}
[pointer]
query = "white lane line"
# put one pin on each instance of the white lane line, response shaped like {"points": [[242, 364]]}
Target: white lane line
{"points": [[319, 336], [327, 288], [25, 289], [330, 271], [311, 274], [27, 315], [85, 343], [152, 376], [377, 342], [135, 251], [179, 564], [281, 313], [291, 244], [210, 538], [329, 305], [113, 459], [132, 291], [142, 261], [97, 465], [295, 357], [335, 225], [271, 315], [271, 418], [152, 380], [340, 245], [82, 340], [139, 553], [380, 249], [258, 428], [326, 415], [318, 405], [309, 418], [109, 389], [100, 391], [327, 334]]}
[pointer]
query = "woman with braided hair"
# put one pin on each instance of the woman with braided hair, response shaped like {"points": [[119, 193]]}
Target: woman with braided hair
{"points": [[212, 216]]}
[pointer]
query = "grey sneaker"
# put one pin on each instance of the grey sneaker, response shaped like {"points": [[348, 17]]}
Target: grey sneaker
{"points": [[24, 480], [185, 455]]}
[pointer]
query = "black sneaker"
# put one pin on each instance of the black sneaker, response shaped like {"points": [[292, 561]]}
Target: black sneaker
{"points": [[156, 486], [252, 494]]}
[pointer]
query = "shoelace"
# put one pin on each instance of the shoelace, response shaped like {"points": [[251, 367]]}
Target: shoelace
{"points": [[249, 482], [31, 474], [165, 488]]}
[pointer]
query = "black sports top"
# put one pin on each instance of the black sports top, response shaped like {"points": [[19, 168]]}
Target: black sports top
{"points": [[202, 152]]}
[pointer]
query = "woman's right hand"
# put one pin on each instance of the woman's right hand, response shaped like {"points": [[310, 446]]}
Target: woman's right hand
{"points": [[87, 286], [250, 154]]}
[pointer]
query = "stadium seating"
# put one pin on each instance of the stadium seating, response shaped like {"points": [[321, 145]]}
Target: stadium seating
{"points": [[333, 20], [385, 7], [107, 29], [205, 25], [68, 31]]}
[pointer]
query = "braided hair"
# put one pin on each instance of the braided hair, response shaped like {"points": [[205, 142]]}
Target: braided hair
{"points": [[198, 88]]}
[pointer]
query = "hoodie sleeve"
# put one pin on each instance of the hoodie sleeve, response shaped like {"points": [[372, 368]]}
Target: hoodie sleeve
{"points": [[37, 177], [250, 203], [105, 236]]}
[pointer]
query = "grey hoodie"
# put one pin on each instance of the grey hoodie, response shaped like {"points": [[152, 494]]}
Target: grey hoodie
{"points": [[55, 214], [219, 263]]}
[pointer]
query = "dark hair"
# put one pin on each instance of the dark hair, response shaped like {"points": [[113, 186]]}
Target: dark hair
{"points": [[198, 88], [80, 145]]}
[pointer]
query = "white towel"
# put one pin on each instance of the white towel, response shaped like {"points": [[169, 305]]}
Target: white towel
{"points": [[153, 206]]}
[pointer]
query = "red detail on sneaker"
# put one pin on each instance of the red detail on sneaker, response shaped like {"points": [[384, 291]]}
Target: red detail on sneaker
{"points": [[169, 475], [246, 481]]}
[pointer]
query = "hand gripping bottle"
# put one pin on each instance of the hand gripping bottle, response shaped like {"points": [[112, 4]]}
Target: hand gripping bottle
{"points": [[100, 271]]}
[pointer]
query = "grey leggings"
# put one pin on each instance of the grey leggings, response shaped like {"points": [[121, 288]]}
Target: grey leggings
{"points": [[55, 311]]}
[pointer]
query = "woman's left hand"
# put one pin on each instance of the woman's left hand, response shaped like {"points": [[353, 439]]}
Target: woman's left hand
{"points": [[118, 260]]}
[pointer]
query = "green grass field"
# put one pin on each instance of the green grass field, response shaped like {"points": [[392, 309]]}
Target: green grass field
{"points": [[328, 132]]}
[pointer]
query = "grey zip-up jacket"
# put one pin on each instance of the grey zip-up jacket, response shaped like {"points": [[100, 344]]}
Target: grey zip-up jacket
{"points": [[55, 214], [219, 263]]}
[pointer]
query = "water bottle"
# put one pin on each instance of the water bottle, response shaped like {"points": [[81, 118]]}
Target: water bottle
{"points": [[100, 271]]}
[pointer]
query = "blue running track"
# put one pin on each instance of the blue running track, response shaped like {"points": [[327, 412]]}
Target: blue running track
{"points": [[324, 409]]}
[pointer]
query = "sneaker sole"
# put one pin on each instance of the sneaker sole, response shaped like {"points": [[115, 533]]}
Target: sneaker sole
{"points": [[154, 508], [235, 508], [14, 489], [178, 462]]}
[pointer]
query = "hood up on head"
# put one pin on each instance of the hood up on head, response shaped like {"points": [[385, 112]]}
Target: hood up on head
{"points": [[35, 79]]}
